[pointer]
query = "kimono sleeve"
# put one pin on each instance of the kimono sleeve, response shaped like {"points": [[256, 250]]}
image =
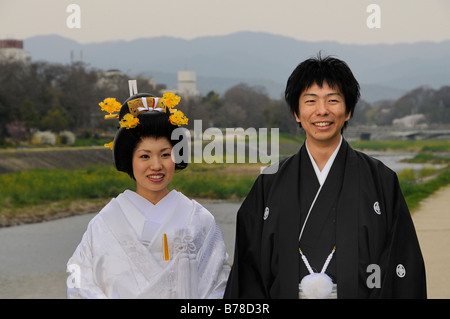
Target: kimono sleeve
{"points": [[403, 265], [81, 283], [213, 268], [246, 278]]}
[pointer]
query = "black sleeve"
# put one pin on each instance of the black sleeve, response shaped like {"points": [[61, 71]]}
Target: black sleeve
{"points": [[245, 280], [403, 268]]}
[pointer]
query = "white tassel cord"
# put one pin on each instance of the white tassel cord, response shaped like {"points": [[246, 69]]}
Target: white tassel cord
{"points": [[306, 262], [327, 262], [317, 285]]}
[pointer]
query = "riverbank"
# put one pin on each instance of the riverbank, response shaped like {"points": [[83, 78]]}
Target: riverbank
{"points": [[43, 195], [18, 160]]}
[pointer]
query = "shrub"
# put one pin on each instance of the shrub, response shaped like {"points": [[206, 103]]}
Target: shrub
{"points": [[67, 138], [46, 137]]}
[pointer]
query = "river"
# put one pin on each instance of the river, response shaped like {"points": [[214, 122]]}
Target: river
{"points": [[393, 160]]}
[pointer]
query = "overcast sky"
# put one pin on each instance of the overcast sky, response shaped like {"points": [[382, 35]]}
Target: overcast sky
{"points": [[343, 21]]}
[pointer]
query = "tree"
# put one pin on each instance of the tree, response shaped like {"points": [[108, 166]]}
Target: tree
{"points": [[212, 99], [56, 120], [360, 115], [17, 131], [29, 115], [278, 115], [253, 100]]}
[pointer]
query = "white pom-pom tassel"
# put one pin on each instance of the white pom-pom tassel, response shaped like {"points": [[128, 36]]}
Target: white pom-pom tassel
{"points": [[317, 286]]}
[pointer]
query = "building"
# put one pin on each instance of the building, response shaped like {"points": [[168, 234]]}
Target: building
{"points": [[114, 79], [187, 83], [110, 79], [12, 50]]}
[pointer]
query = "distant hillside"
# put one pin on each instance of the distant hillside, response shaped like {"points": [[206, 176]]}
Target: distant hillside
{"points": [[384, 71]]}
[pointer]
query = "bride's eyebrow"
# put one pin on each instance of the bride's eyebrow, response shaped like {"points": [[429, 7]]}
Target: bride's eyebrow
{"points": [[149, 151]]}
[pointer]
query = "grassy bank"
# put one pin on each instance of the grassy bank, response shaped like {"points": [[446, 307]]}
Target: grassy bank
{"points": [[51, 192], [38, 194], [415, 189], [37, 186]]}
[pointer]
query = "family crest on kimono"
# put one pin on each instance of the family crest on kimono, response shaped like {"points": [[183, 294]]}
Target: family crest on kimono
{"points": [[152, 242]]}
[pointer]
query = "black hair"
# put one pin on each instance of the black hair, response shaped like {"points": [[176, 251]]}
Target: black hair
{"points": [[151, 124], [335, 72]]}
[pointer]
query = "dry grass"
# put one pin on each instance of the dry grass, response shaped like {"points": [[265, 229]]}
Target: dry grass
{"points": [[49, 211]]}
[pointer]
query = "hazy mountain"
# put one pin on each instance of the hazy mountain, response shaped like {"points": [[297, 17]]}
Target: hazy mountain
{"points": [[384, 71]]}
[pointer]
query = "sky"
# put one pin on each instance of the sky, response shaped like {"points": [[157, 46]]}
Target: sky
{"points": [[344, 21]]}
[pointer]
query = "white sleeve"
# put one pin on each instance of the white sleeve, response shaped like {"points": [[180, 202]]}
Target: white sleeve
{"points": [[213, 268], [80, 282]]}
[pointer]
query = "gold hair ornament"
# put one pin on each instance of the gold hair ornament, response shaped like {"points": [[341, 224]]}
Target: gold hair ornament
{"points": [[165, 104]]}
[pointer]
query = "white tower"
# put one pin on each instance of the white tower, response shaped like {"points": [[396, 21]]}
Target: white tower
{"points": [[187, 83]]}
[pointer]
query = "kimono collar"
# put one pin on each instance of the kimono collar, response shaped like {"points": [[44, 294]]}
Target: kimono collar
{"points": [[154, 212], [322, 175]]}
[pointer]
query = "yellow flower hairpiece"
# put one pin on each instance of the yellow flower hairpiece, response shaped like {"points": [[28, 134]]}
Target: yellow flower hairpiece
{"points": [[178, 118], [109, 145], [171, 100], [110, 105], [164, 104], [129, 121]]}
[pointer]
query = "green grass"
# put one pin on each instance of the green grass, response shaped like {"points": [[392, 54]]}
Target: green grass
{"points": [[426, 157], [35, 187], [216, 181], [81, 142], [415, 190], [216, 186]]}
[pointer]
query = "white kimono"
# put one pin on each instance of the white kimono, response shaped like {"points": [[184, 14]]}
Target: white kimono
{"points": [[121, 253]]}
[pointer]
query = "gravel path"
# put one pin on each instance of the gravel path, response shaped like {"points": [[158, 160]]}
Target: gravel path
{"points": [[432, 221]]}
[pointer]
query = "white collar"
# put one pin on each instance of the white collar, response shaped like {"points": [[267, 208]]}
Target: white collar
{"points": [[322, 175], [154, 212]]}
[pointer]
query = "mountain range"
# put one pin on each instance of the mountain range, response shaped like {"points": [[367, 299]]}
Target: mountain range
{"points": [[384, 71]]}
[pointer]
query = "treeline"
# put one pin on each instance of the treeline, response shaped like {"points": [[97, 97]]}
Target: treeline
{"points": [[41, 96], [53, 97], [433, 106]]}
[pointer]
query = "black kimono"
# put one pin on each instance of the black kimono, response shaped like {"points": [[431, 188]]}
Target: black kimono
{"points": [[360, 210]]}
